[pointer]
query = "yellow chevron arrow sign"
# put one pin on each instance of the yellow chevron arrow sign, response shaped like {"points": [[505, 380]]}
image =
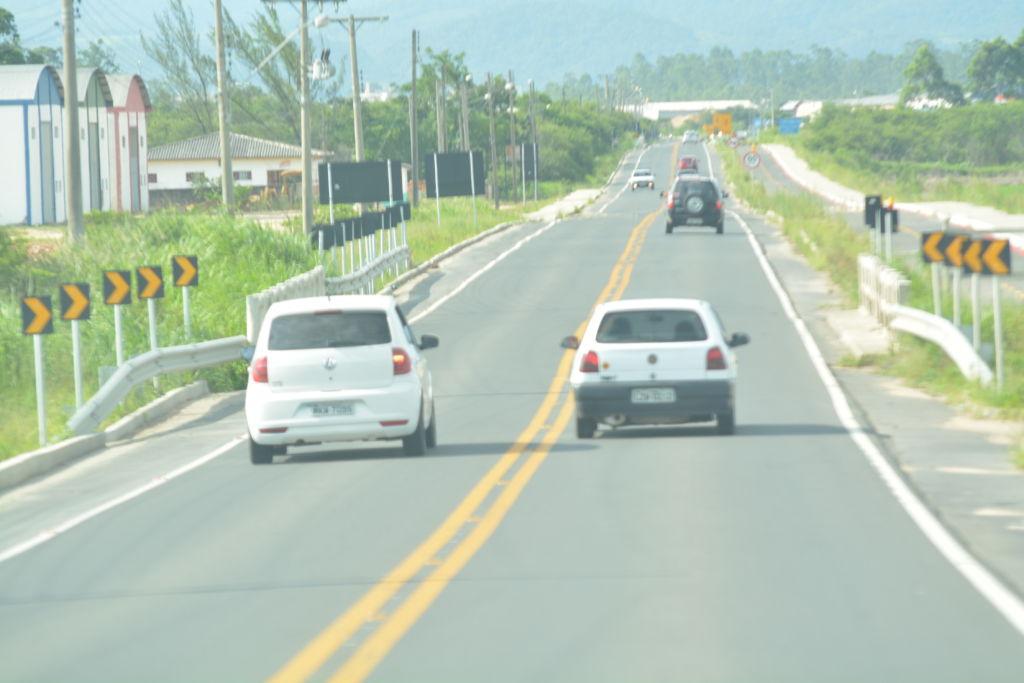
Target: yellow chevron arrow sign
{"points": [[74, 301], [972, 257], [931, 250], [186, 271], [117, 287], [36, 315], [996, 257], [149, 282]]}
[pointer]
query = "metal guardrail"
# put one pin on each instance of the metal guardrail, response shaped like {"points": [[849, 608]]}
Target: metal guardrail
{"points": [[147, 366], [363, 280], [311, 283], [883, 294]]}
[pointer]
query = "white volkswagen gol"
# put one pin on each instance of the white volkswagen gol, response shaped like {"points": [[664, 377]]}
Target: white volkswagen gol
{"points": [[654, 361], [339, 368]]}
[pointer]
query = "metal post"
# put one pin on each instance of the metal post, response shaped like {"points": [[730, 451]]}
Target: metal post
{"points": [[37, 345], [186, 303], [472, 188], [118, 335], [975, 312], [151, 304], [522, 163], [936, 289], [533, 135], [888, 225], [307, 155], [414, 130], [439, 111], [76, 360], [357, 116], [227, 181], [997, 323], [535, 179], [437, 192], [879, 220], [957, 318], [72, 151], [494, 143]]}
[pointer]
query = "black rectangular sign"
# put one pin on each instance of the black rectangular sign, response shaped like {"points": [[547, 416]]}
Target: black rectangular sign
{"points": [[363, 181], [453, 174], [531, 163], [359, 226], [872, 205]]}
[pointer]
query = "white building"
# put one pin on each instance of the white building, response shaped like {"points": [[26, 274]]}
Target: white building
{"points": [[256, 164], [32, 167], [94, 120], [127, 134]]}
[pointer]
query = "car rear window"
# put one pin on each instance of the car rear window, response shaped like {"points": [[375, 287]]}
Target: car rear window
{"points": [[702, 188], [328, 330], [642, 171], [656, 326]]}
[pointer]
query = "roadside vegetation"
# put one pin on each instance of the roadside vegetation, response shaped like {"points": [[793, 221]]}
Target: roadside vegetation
{"points": [[832, 246], [972, 154]]}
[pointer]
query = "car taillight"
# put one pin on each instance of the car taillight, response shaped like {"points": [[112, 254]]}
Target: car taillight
{"points": [[718, 204], [589, 362], [259, 370], [716, 359], [400, 361]]}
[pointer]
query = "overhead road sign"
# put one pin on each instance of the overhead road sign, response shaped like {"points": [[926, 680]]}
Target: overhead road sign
{"points": [[185, 270], [36, 315], [117, 287], [74, 301], [149, 282], [987, 257]]}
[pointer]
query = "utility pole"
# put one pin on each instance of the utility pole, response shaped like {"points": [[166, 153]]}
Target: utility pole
{"points": [[607, 93], [533, 135], [439, 107], [511, 87], [227, 178], [464, 119], [494, 141], [307, 154], [72, 152], [414, 129], [357, 105]]}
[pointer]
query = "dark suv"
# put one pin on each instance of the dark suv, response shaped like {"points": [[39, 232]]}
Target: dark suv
{"points": [[695, 200]]}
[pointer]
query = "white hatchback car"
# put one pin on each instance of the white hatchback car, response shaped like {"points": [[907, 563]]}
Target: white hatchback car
{"points": [[654, 361], [338, 368]]}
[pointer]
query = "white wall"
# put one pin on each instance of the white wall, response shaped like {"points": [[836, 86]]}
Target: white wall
{"points": [[12, 167], [170, 175]]}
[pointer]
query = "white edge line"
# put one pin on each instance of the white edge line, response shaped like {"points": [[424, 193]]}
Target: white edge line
{"points": [[999, 596], [160, 480]]}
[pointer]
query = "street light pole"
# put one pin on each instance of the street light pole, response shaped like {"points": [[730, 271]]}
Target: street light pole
{"points": [[357, 116], [511, 88], [414, 130], [227, 179], [494, 141], [307, 155], [72, 152]]}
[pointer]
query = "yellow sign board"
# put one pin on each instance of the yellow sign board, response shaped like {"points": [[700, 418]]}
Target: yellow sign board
{"points": [[722, 122]]}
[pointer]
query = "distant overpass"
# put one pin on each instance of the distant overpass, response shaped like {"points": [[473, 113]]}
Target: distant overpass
{"points": [[657, 111]]}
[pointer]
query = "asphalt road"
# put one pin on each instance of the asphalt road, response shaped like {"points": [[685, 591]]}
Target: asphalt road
{"points": [[515, 551]]}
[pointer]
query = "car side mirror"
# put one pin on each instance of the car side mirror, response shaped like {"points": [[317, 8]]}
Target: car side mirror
{"points": [[247, 353], [429, 341], [571, 342], [738, 339]]}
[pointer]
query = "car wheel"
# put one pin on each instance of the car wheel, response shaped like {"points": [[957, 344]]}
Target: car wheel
{"points": [[416, 443], [432, 429], [585, 427], [668, 228], [261, 455], [726, 423], [720, 228]]}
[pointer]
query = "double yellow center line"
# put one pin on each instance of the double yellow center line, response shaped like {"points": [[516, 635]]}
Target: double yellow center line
{"points": [[472, 522]]}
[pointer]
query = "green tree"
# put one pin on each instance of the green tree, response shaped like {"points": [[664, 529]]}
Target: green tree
{"points": [[925, 77], [98, 56], [997, 68]]}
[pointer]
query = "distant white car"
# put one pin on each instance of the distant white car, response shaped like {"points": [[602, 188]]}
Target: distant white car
{"points": [[641, 177], [654, 361], [338, 368], [691, 136]]}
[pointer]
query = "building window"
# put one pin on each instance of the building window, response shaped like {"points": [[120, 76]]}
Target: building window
{"points": [[242, 175], [194, 176], [151, 177]]}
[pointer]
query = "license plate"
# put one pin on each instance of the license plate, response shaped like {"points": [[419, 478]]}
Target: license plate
{"points": [[653, 396], [694, 221], [331, 409]]}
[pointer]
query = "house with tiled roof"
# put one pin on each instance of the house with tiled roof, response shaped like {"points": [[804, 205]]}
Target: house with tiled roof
{"points": [[176, 168]]}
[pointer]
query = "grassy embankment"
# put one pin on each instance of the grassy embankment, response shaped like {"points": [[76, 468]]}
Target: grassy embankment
{"points": [[236, 256], [830, 245], [972, 154]]}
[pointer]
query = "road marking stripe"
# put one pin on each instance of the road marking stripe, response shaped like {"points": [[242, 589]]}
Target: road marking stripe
{"points": [[316, 653], [991, 588], [156, 482]]}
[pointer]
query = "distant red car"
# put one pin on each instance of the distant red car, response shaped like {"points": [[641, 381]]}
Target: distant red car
{"points": [[688, 164]]}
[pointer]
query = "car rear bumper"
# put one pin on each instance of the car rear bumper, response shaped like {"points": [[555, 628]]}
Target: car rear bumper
{"points": [[389, 413], [694, 399], [708, 218]]}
